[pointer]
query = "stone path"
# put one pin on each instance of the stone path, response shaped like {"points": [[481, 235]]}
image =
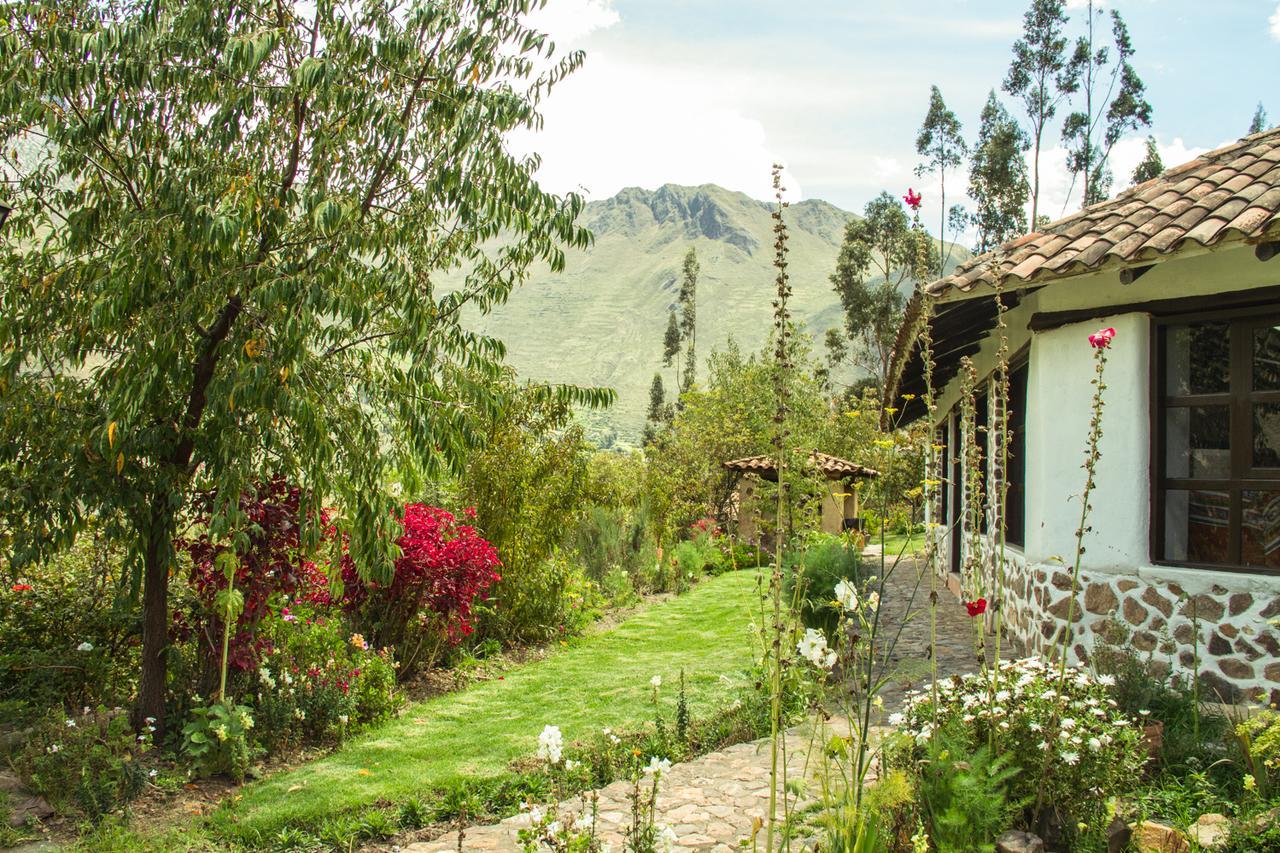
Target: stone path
{"points": [[713, 801]]}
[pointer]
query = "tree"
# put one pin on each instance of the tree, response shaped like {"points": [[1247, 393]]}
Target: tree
{"points": [[998, 177], [1259, 122], [1114, 102], [873, 265], [671, 344], [225, 262], [689, 316], [659, 412], [1151, 165], [939, 141], [1039, 76]]}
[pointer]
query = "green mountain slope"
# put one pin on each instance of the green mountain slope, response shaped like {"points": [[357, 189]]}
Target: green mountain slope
{"points": [[601, 321]]}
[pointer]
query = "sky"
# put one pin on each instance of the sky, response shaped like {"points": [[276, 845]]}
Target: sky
{"points": [[715, 91]]}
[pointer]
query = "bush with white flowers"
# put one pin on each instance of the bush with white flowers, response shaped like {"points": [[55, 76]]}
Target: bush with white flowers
{"points": [[1067, 731]]}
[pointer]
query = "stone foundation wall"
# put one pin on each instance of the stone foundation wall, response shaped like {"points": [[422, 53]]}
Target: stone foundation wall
{"points": [[1227, 624]]}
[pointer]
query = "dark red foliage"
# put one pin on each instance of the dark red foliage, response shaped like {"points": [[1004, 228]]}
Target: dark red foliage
{"points": [[271, 569], [444, 566]]}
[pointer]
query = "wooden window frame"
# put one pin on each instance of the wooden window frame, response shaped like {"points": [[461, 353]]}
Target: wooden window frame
{"points": [[1238, 400]]}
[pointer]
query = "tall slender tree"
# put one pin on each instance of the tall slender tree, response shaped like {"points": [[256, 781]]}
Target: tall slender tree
{"points": [[998, 177], [671, 344], [1259, 122], [1114, 102], [1151, 166], [1040, 77], [658, 413], [940, 142], [223, 270], [689, 316]]}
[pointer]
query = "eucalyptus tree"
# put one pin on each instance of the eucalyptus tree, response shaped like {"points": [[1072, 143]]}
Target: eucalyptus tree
{"points": [[225, 261], [1039, 76], [1152, 164], [940, 142], [689, 316], [1259, 122], [1114, 102], [998, 177]]}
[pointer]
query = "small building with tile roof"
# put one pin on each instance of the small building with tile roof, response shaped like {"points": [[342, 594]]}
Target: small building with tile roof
{"points": [[839, 500], [1182, 550]]}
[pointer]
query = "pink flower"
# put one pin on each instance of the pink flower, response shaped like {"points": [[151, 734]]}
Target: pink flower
{"points": [[913, 199], [286, 615], [1101, 338], [976, 608]]}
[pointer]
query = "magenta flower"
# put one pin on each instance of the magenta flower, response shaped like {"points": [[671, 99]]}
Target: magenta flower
{"points": [[1101, 338], [913, 199]]}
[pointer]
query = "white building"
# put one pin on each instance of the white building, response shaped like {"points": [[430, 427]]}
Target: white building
{"points": [[1185, 525]]}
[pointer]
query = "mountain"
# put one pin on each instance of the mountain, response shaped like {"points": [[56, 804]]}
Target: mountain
{"points": [[601, 321]]}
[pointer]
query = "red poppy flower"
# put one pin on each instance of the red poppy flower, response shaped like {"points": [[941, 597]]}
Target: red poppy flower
{"points": [[21, 587], [913, 199], [1101, 338], [976, 608]]}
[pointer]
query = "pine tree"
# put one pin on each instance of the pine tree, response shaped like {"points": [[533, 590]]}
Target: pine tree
{"points": [[939, 141], [689, 316], [1039, 76], [1259, 122], [998, 177], [1151, 165], [1114, 101], [658, 411]]}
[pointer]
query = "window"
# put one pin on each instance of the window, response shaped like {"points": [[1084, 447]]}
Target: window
{"points": [[1216, 457], [1015, 513]]}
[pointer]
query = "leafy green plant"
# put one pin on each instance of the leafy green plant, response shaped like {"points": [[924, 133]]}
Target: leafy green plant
{"points": [[90, 763], [964, 793], [216, 740], [822, 562], [1259, 738]]}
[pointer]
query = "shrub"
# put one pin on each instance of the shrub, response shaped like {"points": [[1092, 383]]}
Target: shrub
{"points": [[964, 793], [1260, 741], [813, 573], [269, 566], [89, 762], [444, 566], [216, 740], [68, 636], [697, 557], [320, 684], [1069, 737]]}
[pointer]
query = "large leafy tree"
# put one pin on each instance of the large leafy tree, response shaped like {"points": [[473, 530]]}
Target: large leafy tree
{"points": [[998, 177], [1039, 75], [939, 141], [1114, 102], [223, 260], [874, 264]]}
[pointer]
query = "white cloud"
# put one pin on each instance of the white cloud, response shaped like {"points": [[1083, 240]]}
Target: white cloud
{"points": [[1274, 20], [622, 122], [567, 21]]}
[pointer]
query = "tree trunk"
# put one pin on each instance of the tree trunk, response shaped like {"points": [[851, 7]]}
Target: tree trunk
{"points": [[155, 619], [1035, 177]]}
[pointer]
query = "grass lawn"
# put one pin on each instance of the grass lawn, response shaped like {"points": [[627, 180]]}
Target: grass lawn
{"points": [[894, 544], [602, 680]]}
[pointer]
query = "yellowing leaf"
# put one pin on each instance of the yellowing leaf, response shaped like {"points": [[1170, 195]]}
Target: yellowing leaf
{"points": [[363, 772], [111, 434], [119, 463], [284, 374], [293, 788], [475, 74]]}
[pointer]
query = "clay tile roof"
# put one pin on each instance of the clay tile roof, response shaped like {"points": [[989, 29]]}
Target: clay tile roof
{"points": [[832, 467], [1231, 192]]}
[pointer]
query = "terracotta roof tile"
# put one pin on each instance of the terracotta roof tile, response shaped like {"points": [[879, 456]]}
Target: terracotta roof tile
{"points": [[1231, 192], [832, 467]]}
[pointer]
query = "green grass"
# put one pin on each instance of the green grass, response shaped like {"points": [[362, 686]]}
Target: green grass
{"points": [[603, 680], [899, 543]]}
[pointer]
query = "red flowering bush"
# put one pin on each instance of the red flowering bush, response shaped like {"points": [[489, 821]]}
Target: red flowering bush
{"points": [[706, 527], [443, 568]]}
